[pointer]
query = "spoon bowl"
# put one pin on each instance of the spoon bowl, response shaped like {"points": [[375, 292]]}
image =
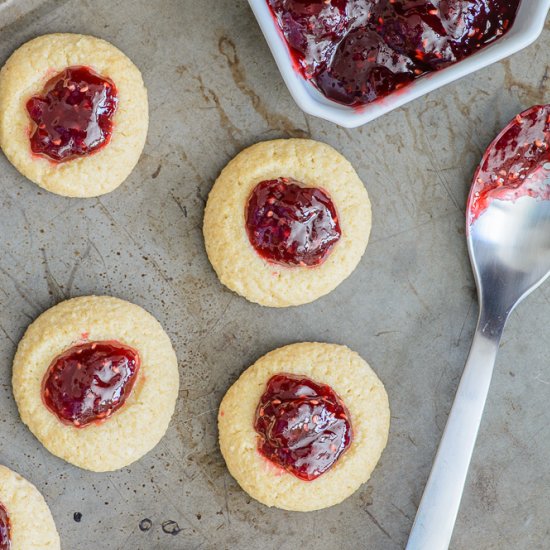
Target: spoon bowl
{"points": [[508, 211], [508, 234]]}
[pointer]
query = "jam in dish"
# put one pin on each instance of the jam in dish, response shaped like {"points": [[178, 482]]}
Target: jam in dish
{"points": [[5, 539], [73, 117], [89, 382], [303, 426], [516, 164], [290, 224], [356, 51]]}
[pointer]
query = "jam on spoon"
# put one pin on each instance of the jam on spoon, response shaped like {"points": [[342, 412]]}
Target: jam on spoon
{"points": [[356, 51], [290, 224], [5, 538], [303, 426], [73, 117], [516, 164], [87, 383]]}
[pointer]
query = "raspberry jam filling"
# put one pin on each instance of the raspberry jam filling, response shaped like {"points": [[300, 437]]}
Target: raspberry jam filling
{"points": [[290, 224], [516, 164], [5, 538], [87, 383], [303, 426], [73, 117], [356, 51]]}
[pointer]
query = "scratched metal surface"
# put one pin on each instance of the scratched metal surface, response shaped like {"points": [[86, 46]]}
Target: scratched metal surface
{"points": [[409, 308]]}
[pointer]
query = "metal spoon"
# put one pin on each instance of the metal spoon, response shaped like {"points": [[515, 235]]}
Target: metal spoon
{"points": [[508, 233]]}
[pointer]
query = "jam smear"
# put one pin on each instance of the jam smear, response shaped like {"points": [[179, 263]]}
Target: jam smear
{"points": [[356, 51], [516, 164], [87, 383], [290, 224], [5, 537], [303, 426], [73, 117]]}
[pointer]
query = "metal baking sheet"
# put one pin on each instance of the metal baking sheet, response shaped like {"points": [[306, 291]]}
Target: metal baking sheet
{"points": [[409, 309]]}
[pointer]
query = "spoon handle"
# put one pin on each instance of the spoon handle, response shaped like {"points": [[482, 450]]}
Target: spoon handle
{"points": [[436, 515]]}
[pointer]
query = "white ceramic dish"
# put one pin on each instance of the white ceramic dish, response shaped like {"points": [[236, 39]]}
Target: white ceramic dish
{"points": [[525, 30]]}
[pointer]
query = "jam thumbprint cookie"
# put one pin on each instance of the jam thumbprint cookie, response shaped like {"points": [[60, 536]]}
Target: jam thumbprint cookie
{"points": [[305, 426], [26, 522], [96, 381], [286, 222], [73, 114]]}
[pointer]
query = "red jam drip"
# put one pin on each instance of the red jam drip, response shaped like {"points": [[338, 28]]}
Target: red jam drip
{"points": [[290, 224], [5, 537], [303, 426], [89, 382], [74, 115], [516, 164], [356, 51]]}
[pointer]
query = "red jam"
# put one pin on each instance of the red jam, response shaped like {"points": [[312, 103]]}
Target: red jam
{"points": [[516, 164], [89, 382], [303, 426], [74, 115], [5, 538], [356, 51], [290, 224]]}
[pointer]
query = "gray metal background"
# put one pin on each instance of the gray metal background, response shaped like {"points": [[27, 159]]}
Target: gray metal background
{"points": [[409, 308]]}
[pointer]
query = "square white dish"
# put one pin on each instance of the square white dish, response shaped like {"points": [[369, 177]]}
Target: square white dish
{"points": [[527, 27]]}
